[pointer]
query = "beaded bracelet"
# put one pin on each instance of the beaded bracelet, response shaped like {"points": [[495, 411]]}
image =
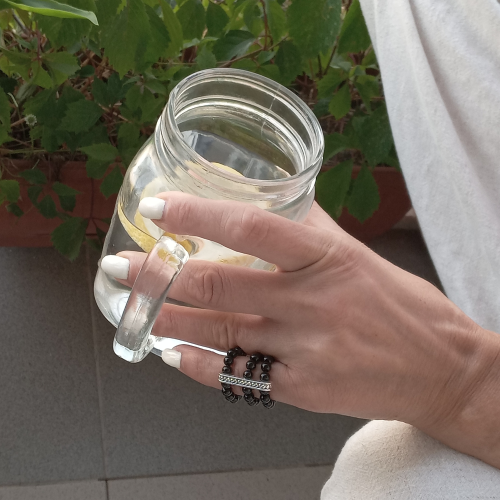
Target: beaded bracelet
{"points": [[265, 396], [248, 391], [226, 369]]}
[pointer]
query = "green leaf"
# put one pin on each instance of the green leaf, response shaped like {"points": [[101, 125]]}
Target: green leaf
{"points": [[14, 209], [128, 136], [217, 19], [112, 183], [289, 61], [328, 84], [334, 144], [86, 71], [270, 71], [41, 77], [375, 136], [354, 35], [47, 207], [63, 190], [364, 198], [4, 109], [370, 59], [68, 237], [80, 116], [276, 19], [126, 39], [4, 134], [174, 29], [340, 104], [96, 168], [314, 25], [321, 108], [52, 8], [34, 193], [368, 87], [205, 59], [62, 65], [108, 93], [9, 189], [66, 32], [68, 203], [191, 16], [252, 19], [34, 176], [102, 152], [8, 84], [265, 56], [332, 187], [233, 44], [159, 41]]}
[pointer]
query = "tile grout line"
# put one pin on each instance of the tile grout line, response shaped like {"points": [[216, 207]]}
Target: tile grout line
{"points": [[97, 369]]}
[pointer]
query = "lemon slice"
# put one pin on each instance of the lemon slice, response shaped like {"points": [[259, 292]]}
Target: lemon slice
{"points": [[227, 169], [139, 232]]}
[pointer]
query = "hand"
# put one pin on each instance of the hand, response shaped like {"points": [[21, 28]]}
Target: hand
{"points": [[351, 333]]}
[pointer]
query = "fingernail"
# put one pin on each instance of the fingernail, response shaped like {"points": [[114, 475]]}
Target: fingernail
{"points": [[172, 357], [115, 266], [152, 208]]}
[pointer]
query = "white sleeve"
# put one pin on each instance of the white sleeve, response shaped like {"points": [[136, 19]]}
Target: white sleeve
{"points": [[440, 64]]}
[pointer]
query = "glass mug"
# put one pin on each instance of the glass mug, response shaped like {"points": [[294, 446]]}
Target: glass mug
{"points": [[225, 134]]}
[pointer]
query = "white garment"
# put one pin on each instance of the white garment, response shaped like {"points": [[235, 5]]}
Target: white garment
{"points": [[392, 460], [440, 64]]}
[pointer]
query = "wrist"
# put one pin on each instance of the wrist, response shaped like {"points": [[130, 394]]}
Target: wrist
{"points": [[469, 418]]}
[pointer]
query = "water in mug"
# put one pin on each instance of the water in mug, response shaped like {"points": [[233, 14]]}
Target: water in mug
{"points": [[141, 234]]}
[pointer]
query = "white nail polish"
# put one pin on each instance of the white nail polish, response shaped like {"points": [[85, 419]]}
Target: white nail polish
{"points": [[152, 208], [172, 357], [115, 266]]}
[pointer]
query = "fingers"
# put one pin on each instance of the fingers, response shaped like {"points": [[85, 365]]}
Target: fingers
{"points": [[211, 285], [205, 366], [240, 226], [318, 218], [216, 330]]}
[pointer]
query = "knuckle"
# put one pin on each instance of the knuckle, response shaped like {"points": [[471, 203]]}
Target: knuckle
{"points": [[248, 225], [224, 333], [208, 287]]}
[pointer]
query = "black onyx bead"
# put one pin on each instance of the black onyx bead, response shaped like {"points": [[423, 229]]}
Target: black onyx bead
{"points": [[227, 391], [228, 360], [248, 397], [268, 359], [266, 398], [247, 390], [256, 357], [251, 365], [266, 367], [239, 351], [265, 377], [232, 352], [247, 374], [226, 369], [269, 405], [226, 386]]}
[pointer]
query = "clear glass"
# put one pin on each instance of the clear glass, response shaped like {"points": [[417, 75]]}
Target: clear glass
{"points": [[224, 134]]}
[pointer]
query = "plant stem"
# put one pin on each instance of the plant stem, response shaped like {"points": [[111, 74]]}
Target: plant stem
{"points": [[266, 24], [330, 59], [226, 64], [320, 69]]}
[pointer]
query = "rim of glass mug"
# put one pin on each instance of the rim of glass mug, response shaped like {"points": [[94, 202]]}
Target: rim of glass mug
{"points": [[291, 119]]}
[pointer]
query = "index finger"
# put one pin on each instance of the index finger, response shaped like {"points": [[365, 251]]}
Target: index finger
{"points": [[239, 226]]}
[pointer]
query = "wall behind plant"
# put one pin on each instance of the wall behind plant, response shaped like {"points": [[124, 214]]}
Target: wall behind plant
{"points": [[74, 89]]}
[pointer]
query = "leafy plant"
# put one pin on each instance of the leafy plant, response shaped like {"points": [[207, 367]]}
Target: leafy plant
{"points": [[87, 80]]}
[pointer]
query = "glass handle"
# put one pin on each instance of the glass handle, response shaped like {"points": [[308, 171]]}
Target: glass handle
{"points": [[133, 340]]}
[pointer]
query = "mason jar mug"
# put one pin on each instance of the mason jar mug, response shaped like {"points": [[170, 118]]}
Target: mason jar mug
{"points": [[225, 134]]}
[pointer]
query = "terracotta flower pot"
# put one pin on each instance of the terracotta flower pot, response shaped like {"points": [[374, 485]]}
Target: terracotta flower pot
{"points": [[394, 204], [33, 229]]}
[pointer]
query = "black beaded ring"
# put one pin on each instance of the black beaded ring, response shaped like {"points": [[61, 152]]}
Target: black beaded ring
{"points": [[265, 397], [247, 391], [227, 392]]}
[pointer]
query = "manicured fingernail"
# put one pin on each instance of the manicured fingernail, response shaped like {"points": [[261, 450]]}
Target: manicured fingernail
{"points": [[115, 266], [152, 208], [172, 357]]}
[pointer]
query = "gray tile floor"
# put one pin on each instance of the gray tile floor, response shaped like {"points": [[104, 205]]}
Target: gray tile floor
{"points": [[76, 422]]}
